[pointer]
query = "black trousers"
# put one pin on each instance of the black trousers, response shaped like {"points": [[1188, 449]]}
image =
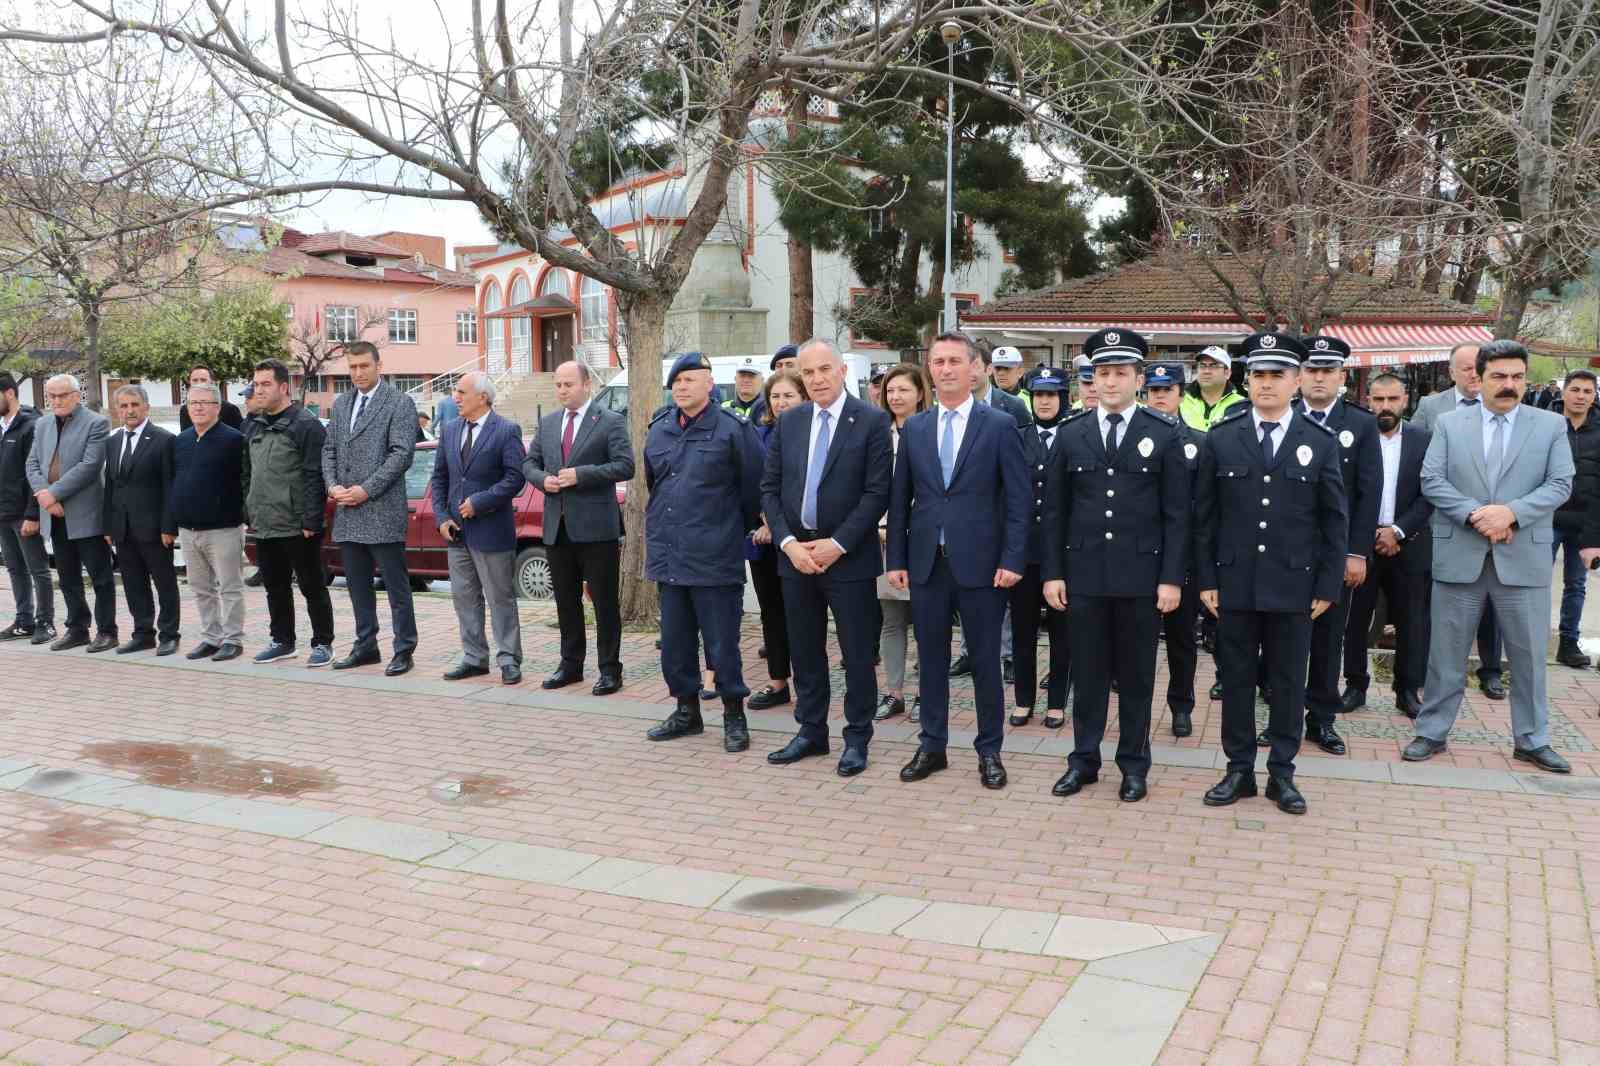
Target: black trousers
{"points": [[142, 563], [807, 599], [1407, 595], [1283, 642], [689, 614], [360, 563], [597, 564], [283, 561], [981, 611], [1323, 701], [1113, 636], [1027, 598], [73, 557], [774, 620], [1183, 649]]}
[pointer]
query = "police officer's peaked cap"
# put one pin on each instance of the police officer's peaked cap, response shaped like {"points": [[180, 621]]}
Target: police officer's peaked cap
{"points": [[1163, 375], [688, 361], [1326, 351], [1047, 379], [788, 351], [1273, 351], [1117, 345], [879, 372]]}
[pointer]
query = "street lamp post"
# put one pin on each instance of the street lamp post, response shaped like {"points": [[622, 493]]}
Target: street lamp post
{"points": [[951, 33]]}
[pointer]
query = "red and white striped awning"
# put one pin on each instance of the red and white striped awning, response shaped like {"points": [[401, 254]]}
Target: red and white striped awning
{"points": [[1391, 345]]}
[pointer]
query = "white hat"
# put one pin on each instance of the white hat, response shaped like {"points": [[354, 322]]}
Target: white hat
{"points": [[1217, 352], [1005, 355], [1081, 361]]}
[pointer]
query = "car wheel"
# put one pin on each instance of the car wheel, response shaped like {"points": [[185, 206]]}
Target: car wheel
{"points": [[533, 575], [420, 584]]}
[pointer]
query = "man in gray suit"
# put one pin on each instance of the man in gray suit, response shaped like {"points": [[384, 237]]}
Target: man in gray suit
{"points": [[1495, 474], [1468, 392], [576, 459], [64, 473], [371, 437]]}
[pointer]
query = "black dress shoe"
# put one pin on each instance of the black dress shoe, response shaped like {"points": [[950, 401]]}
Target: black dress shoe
{"points": [[991, 772], [16, 631], [961, 667], [462, 671], [1421, 749], [102, 642], [511, 675], [1494, 688], [771, 696], [1054, 723], [43, 633], [167, 647], [1281, 791], [1544, 758], [685, 721], [888, 707], [137, 644], [798, 748], [708, 695], [562, 678], [400, 664], [852, 762], [1133, 790], [1569, 654], [1235, 786], [1023, 716], [735, 727], [1326, 738], [1408, 704], [1216, 690], [607, 684], [1071, 783], [358, 658], [1353, 700], [922, 764], [226, 652], [72, 638], [1182, 724], [203, 650], [1263, 739]]}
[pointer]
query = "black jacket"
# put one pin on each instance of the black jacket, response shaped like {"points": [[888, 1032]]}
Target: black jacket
{"points": [[16, 498], [135, 504], [1581, 512], [1411, 508]]}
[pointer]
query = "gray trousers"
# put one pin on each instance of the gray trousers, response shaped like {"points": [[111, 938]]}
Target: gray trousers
{"points": [[29, 567], [896, 626], [213, 558], [476, 577], [1523, 613]]}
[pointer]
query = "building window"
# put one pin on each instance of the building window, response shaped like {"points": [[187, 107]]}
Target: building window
{"points": [[466, 327], [521, 326], [407, 382], [402, 327], [596, 311], [556, 283], [341, 323], [495, 327], [341, 384]]}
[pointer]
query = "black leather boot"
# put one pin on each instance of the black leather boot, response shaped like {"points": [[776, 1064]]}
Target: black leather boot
{"points": [[735, 730], [683, 722]]}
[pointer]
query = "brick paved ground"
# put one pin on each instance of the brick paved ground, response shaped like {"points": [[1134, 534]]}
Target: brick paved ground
{"points": [[1392, 924]]}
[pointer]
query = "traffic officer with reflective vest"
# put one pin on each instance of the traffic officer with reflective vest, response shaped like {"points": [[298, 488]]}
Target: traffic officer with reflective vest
{"points": [[1085, 374], [1211, 396], [747, 382], [1270, 535], [1361, 467], [703, 468], [1115, 546], [1047, 385], [1008, 373], [1163, 389]]}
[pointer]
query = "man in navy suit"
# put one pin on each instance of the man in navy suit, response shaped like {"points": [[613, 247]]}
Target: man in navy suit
{"points": [[476, 478], [825, 485], [959, 516]]}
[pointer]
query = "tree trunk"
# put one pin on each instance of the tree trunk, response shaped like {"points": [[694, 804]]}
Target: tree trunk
{"points": [[1519, 289], [646, 316], [1471, 276], [91, 356], [802, 280]]}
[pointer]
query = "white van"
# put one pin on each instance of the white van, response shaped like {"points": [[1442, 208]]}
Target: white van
{"points": [[614, 395]]}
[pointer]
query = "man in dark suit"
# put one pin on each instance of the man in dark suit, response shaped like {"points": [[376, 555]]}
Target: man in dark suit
{"points": [[138, 523], [476, 478], [1270, 532], [824, 487], [32, 592], [959, 513], [1116, 544], [1402, 555], [576, 459]]}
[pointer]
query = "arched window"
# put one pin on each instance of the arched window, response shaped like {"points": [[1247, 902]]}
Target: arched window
{"points": [[521, 326], [494, 328], [596, 310], [556, 283]]}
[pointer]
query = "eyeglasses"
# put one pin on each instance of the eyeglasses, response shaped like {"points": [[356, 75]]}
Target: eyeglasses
{"points": [[204, 403], [59, 395]]}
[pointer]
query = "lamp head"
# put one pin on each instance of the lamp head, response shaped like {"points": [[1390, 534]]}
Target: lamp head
{"points": [[950, 32]]}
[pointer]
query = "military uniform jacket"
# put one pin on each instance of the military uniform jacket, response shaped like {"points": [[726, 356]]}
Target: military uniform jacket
{"points": [[1270, 538], [705, 495], [1117, 528], [1361, 466]]}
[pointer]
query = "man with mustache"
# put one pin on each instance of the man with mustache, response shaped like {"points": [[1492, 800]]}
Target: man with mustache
{"points": [[1495, 475]]}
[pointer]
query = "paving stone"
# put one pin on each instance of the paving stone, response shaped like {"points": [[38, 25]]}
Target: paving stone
{"points": [[1176, 966], [606, 874], [103, 1035], [155, 802], [1015, 930], [527, 862], [375, 836], [951, 923], [1097, 938], [1406, 773], [1102, 1021], [678, 884], [884, 914], [1342, 769], [10, 768], [259, 816]]}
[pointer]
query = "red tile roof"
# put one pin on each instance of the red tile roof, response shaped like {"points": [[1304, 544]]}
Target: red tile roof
{"points": [[340, 241], [295, 263], [1158, 289]]}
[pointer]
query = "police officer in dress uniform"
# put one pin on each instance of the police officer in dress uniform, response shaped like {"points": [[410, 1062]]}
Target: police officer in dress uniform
{"points": [[1163, 389], [1047, 387], [1115, 545], [703, 468], [1361, 468], [1271, 529]]}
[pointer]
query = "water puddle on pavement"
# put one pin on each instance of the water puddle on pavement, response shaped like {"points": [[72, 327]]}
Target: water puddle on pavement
{"points": [[793, 900], [474, 790], [209, 768], [68, 831]]}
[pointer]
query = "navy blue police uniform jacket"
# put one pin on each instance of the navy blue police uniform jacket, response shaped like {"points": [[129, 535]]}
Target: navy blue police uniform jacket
{"points": [[705, 495], [1361, 466]]}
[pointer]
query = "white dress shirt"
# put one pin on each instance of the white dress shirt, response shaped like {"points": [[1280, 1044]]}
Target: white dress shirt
{"points": [[958, 429], [1389, 448], [359, 406], [581, 413], [835, 411], [1325, 411], [1105, 425], [135, 433], [1462, 398], [5, 424], [1277, 434]]}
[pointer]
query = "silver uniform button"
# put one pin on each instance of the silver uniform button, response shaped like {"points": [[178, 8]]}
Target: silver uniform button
{"points": [[1108, 514], [1265, 502], [1263, 525], [1110, 493], [1109, 472], [1108, 536], [1261, 547], [1266, 479]]}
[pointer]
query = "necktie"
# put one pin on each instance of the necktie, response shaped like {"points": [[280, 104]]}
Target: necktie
{"points": [[1267, 429], [1469, 403], [566, 435], [1497, 451], [1047, 436], [466, 447], [1320, 416], [361, 405], [819, 459], [1113, 423], [947, 448], [127, 451]]}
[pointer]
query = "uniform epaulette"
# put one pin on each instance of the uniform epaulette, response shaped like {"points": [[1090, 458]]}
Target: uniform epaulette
{"points": [[735, 415], [1074, 416], [1238, 410], [1312, 421], [1170, 420], [664, 412]]}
